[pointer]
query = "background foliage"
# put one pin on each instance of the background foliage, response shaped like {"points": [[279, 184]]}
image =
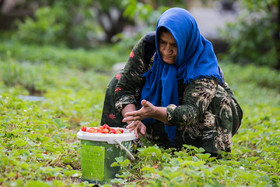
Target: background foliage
{"points": [[254, 37], [38, 138], [38, 144], [59, 22], [84, 23]]}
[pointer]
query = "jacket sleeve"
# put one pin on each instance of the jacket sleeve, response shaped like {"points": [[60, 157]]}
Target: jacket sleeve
{"points": [[131, 82], [197, 97]]}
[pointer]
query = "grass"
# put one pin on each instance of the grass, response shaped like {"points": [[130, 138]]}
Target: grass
{"points": [[38, 138]]}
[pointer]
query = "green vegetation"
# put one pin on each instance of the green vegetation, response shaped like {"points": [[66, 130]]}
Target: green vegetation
{"points": [[38, 140], [68, 23], [38, 143], [84, 23], [79, 58], [254, 37]]}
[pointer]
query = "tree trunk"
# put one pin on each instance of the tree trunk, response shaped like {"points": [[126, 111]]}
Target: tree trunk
{"points": [[278, 36], [1, 3], [116, 24]]}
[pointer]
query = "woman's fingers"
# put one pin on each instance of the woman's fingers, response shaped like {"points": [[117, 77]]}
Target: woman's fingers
{"points": [[143, 130], [133, 113], [146, 103], [133, 116], [143, 102], [138, 127], [131, 126], [136, 131], [128, 119]]}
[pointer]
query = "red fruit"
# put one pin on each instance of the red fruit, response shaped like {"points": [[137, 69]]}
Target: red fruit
{"points": [[113, 131], [84, 129], [98, 130], [105, 131], [119, 131]]}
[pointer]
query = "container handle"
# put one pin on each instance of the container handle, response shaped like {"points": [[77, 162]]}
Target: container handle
{"points": [[124, 148]]}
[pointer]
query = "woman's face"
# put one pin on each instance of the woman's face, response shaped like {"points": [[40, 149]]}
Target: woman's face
{"points": [[167, 47]]}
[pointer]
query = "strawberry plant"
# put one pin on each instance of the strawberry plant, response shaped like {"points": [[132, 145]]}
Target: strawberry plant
{"points": [[38, 139]]}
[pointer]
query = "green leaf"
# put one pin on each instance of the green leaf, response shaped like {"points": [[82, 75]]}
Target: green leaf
{"points": [[119, 159], [273, 163], [115, 164], [151, 152], [60, 124], [149, 169], [203, 156], [36, 184]]}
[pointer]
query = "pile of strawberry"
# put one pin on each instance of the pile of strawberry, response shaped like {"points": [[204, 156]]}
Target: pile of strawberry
{"points": [[105, 129]]}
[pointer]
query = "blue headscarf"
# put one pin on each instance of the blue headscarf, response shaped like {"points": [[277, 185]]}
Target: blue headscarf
{"points": [[195, 59]]}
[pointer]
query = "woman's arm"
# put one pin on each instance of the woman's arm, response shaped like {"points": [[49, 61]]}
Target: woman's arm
{"points": [[197, 97], [128, 108], [130, 81]]}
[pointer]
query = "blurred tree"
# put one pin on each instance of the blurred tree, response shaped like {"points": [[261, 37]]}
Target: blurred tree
{"points": [[114, 15], [277, 36], [82, 22], [145, 14], [254, 38], [110, 17], [73, 22], [11, 10], [59, 22]]}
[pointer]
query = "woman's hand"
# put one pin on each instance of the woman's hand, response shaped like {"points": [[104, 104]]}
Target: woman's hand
{"points": [[148, 110], [138, 127]]}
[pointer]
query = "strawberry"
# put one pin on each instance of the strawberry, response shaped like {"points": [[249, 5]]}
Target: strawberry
{"points": [[119, 131], [98, 130], [84, 129], [91, 130], [105, 131], [112, 131]]}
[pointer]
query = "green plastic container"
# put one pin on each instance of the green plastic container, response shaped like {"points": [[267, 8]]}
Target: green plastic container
{"points": [[98, 152]]}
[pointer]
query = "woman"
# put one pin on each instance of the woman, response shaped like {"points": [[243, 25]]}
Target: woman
{"points": [[172, 89]]}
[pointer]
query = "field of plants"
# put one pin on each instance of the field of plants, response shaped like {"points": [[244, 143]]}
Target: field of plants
{"points": [[38, 138]]}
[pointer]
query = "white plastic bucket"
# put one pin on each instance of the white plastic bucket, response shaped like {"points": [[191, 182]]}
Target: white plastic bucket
{"points": [[98, 152]]}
